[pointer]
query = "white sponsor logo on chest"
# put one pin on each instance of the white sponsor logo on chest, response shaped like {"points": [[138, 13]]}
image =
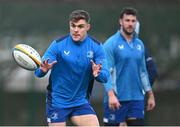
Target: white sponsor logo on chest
{"points": [[66, 53], [121, 47]]}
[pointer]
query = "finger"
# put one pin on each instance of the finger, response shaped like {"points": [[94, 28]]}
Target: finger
{"points": [[151, 107], [54, 62], [46, 61], [111, 107], [42, 65], [117, 105], [92, 62], [148, 108], [100, 66]]}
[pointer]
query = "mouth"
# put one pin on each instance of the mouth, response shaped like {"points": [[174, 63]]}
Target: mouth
{"points": [[130, 29], [76, 35]]}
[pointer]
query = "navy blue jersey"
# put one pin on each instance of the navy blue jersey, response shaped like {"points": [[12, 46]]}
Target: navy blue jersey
{"points": [[71, 77], [151, 67]]}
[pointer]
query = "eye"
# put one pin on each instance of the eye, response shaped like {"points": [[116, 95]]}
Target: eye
{"points": [[133, 21], [127, 20], [81, 26], [72, 25]]}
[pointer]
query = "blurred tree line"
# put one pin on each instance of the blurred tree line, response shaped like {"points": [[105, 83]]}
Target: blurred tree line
{"points": [[38, 22]]}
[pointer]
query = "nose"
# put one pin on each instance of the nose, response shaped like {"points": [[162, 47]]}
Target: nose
{"points": [[75, 28]]}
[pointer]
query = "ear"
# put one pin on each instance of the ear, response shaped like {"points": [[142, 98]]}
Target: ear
{"points": [[120, 22], [88, 27]]}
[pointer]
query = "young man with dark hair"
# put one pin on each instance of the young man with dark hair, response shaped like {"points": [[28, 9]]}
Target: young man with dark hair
{"points": [[75, 61]]}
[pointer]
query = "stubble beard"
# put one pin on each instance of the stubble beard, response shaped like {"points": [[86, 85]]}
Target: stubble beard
{"points": [[128, 33]]}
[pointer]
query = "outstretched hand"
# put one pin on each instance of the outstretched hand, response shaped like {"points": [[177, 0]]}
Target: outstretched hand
{"points": [[45, 66], [96, 68]]}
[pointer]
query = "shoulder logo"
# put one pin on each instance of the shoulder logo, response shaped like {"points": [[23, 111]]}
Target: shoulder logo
{"points": [[121, 47], [138, 47], [90, 54], [66, 53]]}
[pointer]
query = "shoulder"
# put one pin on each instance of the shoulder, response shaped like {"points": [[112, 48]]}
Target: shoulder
{"points": [[62, 38], [58, 42], [113, 38], [94, 40], [139, 41], [111, 42]]}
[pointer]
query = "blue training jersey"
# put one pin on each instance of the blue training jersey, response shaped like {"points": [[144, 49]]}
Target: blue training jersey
{"points": [[71, 77], [127, 61]]}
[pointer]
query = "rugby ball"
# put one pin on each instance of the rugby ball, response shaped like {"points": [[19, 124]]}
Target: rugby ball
{"points": [[26, 57]]}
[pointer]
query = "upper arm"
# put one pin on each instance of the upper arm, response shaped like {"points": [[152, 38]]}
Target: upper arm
{"points": [[51, 52], [109, 52]]}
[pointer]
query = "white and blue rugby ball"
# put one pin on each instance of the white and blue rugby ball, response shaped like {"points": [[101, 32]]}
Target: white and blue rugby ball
{"points": [[26, 57]]}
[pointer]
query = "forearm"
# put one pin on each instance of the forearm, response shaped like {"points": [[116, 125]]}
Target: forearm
{"points": [[145, 82], [39, 73], [103, 75], [111, 93], [150, 94]]}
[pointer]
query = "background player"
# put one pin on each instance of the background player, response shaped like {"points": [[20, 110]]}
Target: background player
{"points": [[125, 52]]}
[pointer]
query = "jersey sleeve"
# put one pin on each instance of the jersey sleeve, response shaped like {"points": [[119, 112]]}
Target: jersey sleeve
{"points": [[100, 59], [144, 75], [51, 54], [108, 47]]}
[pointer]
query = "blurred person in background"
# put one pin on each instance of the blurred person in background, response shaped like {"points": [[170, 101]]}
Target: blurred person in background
{"points": [[150, 63], [75, 60], [125, 52]]}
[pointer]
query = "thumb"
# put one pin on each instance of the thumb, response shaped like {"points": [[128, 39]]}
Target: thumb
{"points": [[54, 62]]}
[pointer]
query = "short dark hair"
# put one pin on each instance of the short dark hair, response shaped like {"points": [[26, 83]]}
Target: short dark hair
{"points": [[128, 11], [76, 15]]}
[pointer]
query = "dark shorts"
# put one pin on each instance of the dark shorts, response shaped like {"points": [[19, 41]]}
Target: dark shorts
{"points": [[55, 115], [127, 110]]}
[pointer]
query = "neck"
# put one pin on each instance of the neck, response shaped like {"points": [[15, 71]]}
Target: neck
{"points": [[84, 38], [128, 37]]}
